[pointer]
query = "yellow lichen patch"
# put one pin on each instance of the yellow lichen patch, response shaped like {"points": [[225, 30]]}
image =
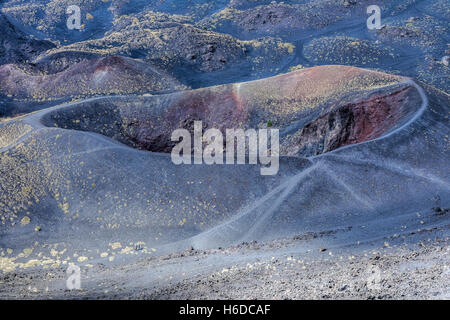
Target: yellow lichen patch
{"points": [[287, 45], [82, 259], [31, 263], [115, 245], [126, 250], [64, 207], [297, 67], [7, 264], [27, 252], [104, 254], [25, 220]]}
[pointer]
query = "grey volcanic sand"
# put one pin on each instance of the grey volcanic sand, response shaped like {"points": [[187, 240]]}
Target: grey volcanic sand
{"points": [[412, 265], [364, 171], [93, 198]]}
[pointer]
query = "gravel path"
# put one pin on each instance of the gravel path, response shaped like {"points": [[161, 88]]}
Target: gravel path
{"points": [[412, 266]]}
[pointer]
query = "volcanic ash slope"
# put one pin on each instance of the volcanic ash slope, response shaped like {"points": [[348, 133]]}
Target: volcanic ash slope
{"points": [[364, 156]]}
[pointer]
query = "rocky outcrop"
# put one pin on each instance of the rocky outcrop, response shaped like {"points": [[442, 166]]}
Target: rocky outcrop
{"points": [[351, 123]]}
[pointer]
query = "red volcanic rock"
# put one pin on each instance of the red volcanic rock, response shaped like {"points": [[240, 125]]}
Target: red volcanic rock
{"points": [[351, 123], [218, 107], [316, 110], [316, 93], [375, 116]]}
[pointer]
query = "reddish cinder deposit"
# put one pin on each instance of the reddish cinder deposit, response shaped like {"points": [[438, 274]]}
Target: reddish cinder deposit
{"points": [[351, 123], [331, 93], [317, 110], [217, 107], [106, 75], [375, 116]]}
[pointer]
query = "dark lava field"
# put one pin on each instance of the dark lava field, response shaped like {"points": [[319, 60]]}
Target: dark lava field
{"points": [[87, 179]]}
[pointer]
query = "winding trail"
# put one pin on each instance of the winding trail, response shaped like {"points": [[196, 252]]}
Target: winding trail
{"points": [[287, 187]]}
